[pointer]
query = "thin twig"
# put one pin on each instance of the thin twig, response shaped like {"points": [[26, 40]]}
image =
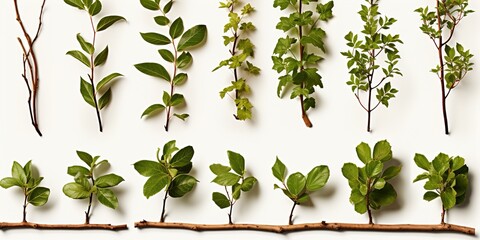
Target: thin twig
{"points": [[26, 225]]}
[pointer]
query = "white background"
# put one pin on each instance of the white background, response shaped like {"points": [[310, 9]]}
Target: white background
{"points": [[412, 124]]}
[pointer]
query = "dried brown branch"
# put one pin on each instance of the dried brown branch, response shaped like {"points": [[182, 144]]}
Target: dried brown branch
{"points": [[312, 226], [25, 225]]}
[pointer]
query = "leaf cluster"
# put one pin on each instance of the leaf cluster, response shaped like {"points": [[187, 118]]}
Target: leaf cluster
{"points": [[369, 184], [232, 176], [446, 177], [87, 184], [170, 172], [297, 186], [242, 50], [24, 178], [302, 30]]}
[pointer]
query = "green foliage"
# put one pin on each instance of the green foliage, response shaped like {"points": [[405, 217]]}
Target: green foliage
{"points": [[24, 178], [87, 184], [169, 172], [446, 177], [369, 184], [297, 186], [363, 58], [300, 70], [241, 49], [232, 177], [100, 96], [178, 55]]}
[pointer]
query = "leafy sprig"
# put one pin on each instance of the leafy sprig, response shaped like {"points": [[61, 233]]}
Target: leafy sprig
{"points": [[363, 58], [454, 60], [178, 56], [447, 178], [170, 172], [232, 176], [242, 49], [88, 185], [97, 95], [369, 183], [24, 178], [300, 69], [297, 187]]}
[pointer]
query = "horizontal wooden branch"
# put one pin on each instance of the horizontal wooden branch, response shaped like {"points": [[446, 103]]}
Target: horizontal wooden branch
{"points": [[24, 225], [312, 226]]}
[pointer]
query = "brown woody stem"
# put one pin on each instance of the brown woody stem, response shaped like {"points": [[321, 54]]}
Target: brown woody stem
{"points": [[26, 225], [290, 218]]}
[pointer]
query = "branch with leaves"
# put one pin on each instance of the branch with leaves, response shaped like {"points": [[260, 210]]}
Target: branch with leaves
{"points": [[364, 56], [170, 172], [236, 180], [454, 60], [178, 56], [447, 178], [242, 48], [30, 73], [300, 69], [97, 95], [87, 185]]}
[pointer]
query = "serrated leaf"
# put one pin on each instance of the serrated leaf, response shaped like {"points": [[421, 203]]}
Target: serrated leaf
{"points": [[108, 21]]}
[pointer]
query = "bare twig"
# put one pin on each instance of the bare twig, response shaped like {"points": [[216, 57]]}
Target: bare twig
{"points": [[26, 225]]}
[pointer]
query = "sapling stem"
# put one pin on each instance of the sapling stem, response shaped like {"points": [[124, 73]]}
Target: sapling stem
{"points": [[162, 218], [442, 69], [305, 118], [290, 218], [90, 200], [25, 208], [92, 76], [172, 84]]}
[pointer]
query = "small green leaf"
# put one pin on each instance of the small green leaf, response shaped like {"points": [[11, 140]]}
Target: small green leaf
{"points": [[80, 57], [296, 184], [448, 198], [373, 168], [87, 92], [108, 21], [85, 157], [9, 182], [105, 99], [166, 55], [183, 157], [350, 171], [107, 198], [74, 170], [110, 180], [155, 184], [75, 3], [429, 196], [18, 173], [101, 57], [150, 4], [162, 21], [422, 162], [180, 79], [382, 151], [218, 169], [168, 7], [95, 8], [106, 80], [364, 152], [184, 60], [75, 191], [221, 200], [385, 196], [177, 99], [148, 168], [39, 196], [153, 110], [237, 162], [192, 37], [155, 38], [248, 183], [176, 29], [154, 70], [227, 179], [182, 117], [279, 170], [182, 185], [317, 178], [86, 46], [391, 172]]}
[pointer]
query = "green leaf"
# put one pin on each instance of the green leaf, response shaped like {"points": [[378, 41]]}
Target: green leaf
{"points": [[177, 99], [80, 57], [457, 163], [155, 38], [75, 3], [237, 162], [448, 198], [86, 46], [184, 60], [75, 191], [218, 169], [461, 184], [373, 168], [421, 177], [227, 179], [180, 79], [296, 184], [382, 151], [176, 29], [385, 196], [105, 99], [364, 152], [183, 157], [106, 80], [85, 157], [317, 178], [166, 55], [110, 180], [279, 170], [391, 172], [356, 196], [162, 21], [182, 185], [95, 9], [182, 117], [422, 162], [441, 163], [154, 70], [168, 7], [9, 182], [74, 170], [150, 4], [108, 21], [248, 183], [148, 168], [192, 37], [379, 184], [107, 198], [18, 173], [101, 57], [155, 184], [39, 196], [350, 171], [221, 200], [87, 92], [361, 207], [429, 196], [153, 110]]}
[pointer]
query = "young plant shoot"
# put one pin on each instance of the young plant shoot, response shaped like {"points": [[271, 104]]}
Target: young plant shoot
{"points": [[88, 185], [236, 180], [447, 178], [297, 187], [24, 178], [369, 183], [364, 57], [454, 60], [30, 73], [98, 95], [177, 55], [241, 50], [170, 172], [300, 68]]}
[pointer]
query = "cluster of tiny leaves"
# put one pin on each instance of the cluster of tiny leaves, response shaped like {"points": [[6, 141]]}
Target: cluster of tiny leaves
{"points": [[23, 178], [300, 69], [87, 89], [457, 59], [87, 184], [242, 49], [235, 179], [170, 172], [369, 183], [366, 48], [178, 56], [447, 178]]}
